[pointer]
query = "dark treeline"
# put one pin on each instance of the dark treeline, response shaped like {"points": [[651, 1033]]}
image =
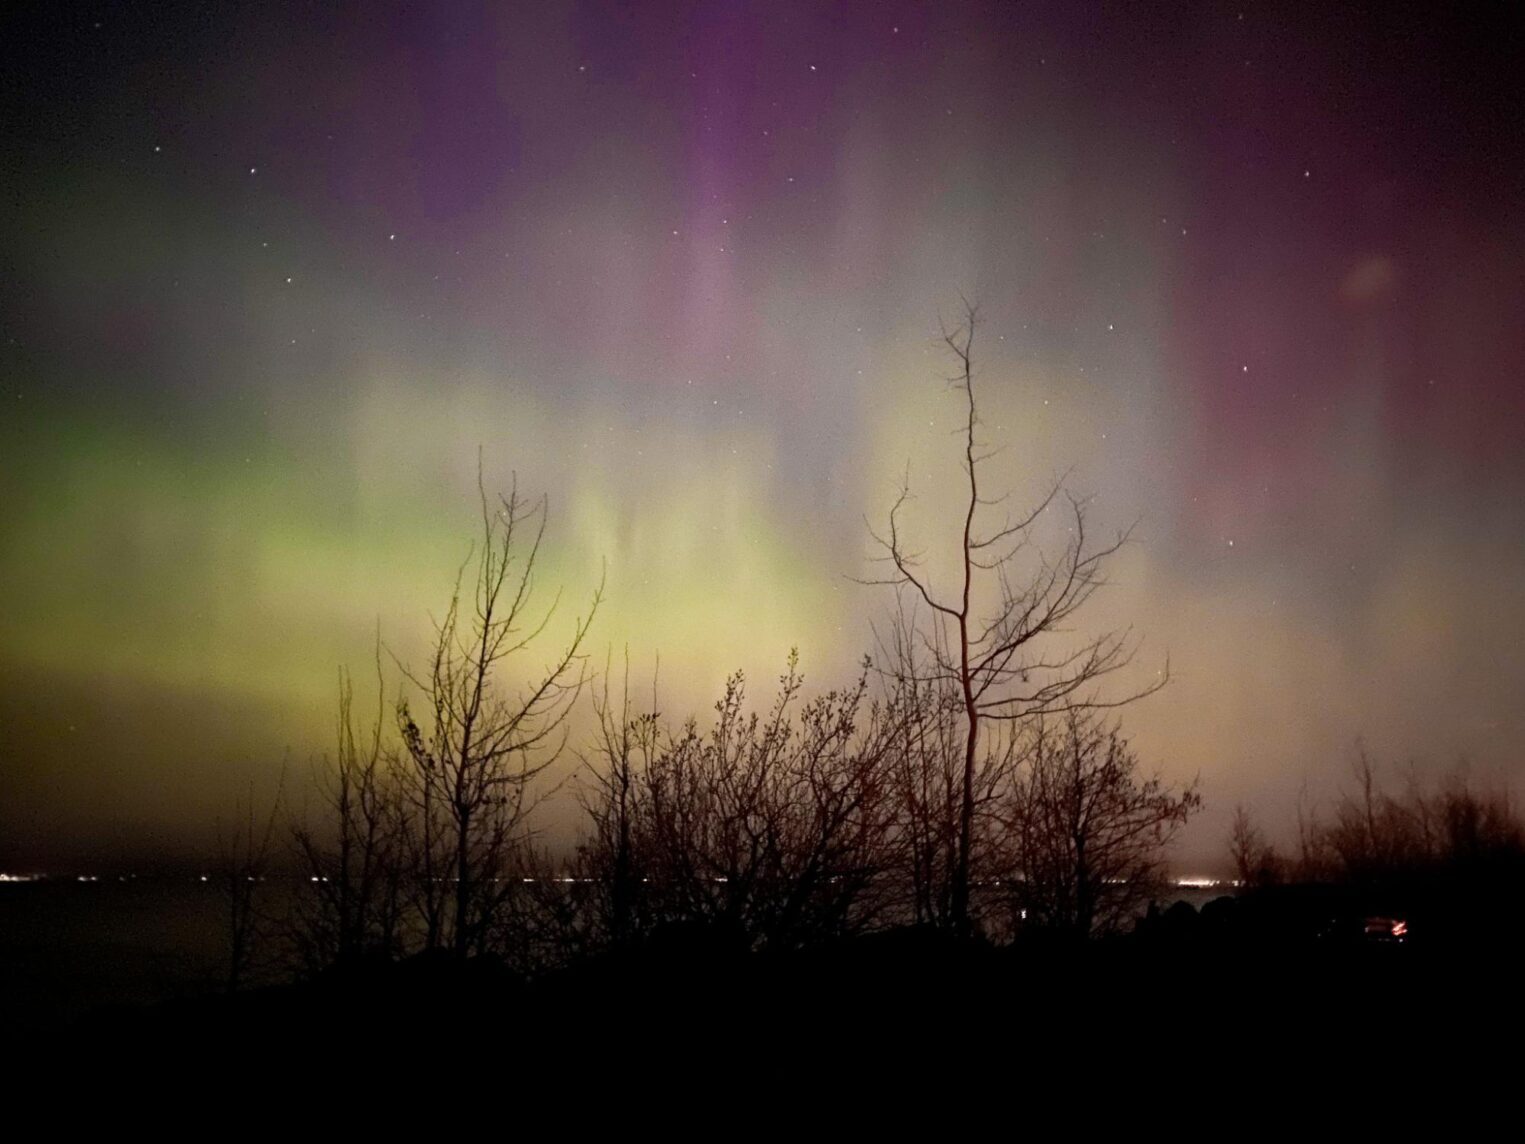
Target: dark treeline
{"points": [[971, 781], [1443, 860], [970, 789], [816, 819]]}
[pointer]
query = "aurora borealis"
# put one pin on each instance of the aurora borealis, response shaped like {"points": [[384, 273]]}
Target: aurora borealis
{"points": [[275, 273]]}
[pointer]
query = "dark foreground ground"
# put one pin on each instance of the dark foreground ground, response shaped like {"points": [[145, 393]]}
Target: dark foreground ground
{"points": [[1190, 1000], [1218, 1000]]}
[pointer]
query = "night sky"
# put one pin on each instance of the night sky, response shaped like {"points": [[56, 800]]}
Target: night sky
{"points": [[273, 275]]}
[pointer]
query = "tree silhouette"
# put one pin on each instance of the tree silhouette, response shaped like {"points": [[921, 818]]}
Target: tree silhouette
{"points": [[627, 744], [468, 765], [991, 641], [1256, 862], [776, 829], [1086, 831], [928, 772], [243, 861], [351, 905]]}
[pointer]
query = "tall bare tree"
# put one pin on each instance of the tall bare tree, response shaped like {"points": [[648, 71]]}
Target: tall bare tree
{"points": [[479, 740], [992, 636], [928, 772]]}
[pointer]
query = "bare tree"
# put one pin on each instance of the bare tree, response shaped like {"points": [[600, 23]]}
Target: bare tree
{"points": [[777, 828], [592, 900], [928, 775], [991, 636], [351, 905], [1314, 861], [628, 742], [1087, 831], [469, 764], [243, 862], [1256, 862]]}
